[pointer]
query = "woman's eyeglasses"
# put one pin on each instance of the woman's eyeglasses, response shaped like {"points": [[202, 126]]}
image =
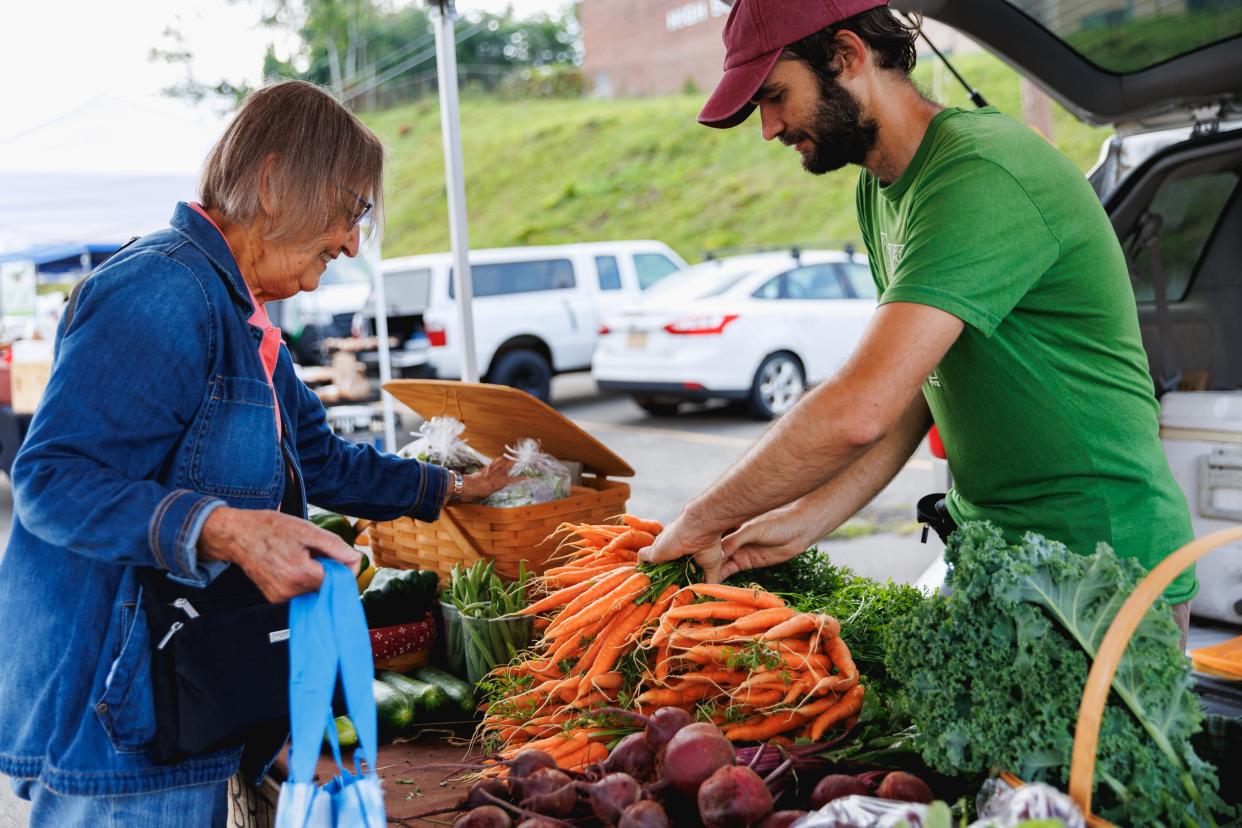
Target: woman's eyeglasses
{"points": [[359, 211]]}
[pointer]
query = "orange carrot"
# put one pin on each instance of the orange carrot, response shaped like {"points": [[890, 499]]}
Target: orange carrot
{"points": [[846, 706], [556, 599], [840, 655], [765, 727], [653, 527], [750, 597], [634, 539]]}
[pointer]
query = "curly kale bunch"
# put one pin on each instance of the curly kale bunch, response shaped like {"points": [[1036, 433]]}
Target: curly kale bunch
{"points": [[992, 675]]}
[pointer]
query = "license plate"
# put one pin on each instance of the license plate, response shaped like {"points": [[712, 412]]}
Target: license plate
{"points": [[636, 340]]}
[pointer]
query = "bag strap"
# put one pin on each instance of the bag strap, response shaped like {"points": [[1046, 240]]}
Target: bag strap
{"points": [[353, 643]]}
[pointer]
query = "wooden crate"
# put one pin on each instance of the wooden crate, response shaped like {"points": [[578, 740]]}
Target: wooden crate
{"points": [[496, 416]]}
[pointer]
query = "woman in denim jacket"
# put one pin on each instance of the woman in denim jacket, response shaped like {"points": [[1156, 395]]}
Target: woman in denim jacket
{"points": [[174, 434]]}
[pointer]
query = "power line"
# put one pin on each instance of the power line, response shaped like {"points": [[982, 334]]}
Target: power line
{"points": [[421, 57]]}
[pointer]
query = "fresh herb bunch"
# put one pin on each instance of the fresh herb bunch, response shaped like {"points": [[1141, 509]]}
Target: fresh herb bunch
{"points": [[992, 675], [864, 606]]}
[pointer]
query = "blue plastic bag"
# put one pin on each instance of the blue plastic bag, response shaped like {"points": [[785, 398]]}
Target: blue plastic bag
{"points": [[328, 635]]}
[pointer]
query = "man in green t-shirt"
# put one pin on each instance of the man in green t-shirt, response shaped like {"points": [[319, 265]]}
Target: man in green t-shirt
{"points": [[1005, 316]]}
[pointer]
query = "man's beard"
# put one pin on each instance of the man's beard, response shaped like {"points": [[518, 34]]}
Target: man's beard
{"points": [[839, 133]]}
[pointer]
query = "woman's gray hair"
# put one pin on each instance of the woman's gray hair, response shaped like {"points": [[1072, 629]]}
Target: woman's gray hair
{"points": [[323, 160]]}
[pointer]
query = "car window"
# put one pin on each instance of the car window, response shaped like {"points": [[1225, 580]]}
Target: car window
{"points": [[503, 278], [652, 267], [1188, 209], [859, 277], [408, 290], [1126, 36], [773, 288], [609, 275], [815, 282]]}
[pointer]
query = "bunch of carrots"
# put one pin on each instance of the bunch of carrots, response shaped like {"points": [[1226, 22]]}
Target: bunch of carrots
{"points": [[616, 633]]}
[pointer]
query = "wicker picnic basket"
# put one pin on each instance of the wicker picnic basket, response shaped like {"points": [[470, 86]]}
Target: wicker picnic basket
{"points": [[1108, 658], [496, 416]]}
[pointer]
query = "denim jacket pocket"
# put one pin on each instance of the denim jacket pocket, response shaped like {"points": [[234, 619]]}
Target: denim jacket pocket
{"points": [[126, 708], [236, 452]]}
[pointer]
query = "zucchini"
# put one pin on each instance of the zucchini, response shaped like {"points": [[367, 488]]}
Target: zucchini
{"points": [[346, 734], [394, 708], [337, 525], [459, 693], [429, 700]]}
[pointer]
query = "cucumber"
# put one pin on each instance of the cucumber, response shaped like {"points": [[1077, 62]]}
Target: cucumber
{"points": [[346, 734], [459, 693], [394, 708], [429, 701]]}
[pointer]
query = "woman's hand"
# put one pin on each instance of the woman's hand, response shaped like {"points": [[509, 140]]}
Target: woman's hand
{"points": [[277, 551], [487, 481]]}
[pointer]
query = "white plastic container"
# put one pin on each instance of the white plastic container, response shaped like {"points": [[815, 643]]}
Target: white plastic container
{"points": [[1202, 436]]}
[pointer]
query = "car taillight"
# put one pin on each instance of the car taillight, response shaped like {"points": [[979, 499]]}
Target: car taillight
{"points": [[699, 325], [436, 336]]}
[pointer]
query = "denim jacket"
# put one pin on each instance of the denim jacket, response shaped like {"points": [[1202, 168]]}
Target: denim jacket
{"points": [[158, 412]]}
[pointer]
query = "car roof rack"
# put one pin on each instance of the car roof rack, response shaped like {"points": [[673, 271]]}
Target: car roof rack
{"points": [[795, 250]]}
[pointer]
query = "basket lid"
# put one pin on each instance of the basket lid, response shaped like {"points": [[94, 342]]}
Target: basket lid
{"points": [[496, 416]]}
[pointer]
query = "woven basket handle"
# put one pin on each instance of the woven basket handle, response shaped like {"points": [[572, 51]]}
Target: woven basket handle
{"points": [[1100, 678]]}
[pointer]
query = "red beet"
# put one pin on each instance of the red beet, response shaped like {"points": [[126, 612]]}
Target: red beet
{"points": [[488, 816], [542, 781], [664, 724], [645, 814], [904, 787], [530, 760], [693, 754], [780, 819], [660, 726], [837, 786], [558, 802], [632, 755], [539, 822], [732, 797], [611, 795]]}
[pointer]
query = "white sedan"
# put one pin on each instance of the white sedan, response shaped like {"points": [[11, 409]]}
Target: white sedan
{"points": [[756, 329]]}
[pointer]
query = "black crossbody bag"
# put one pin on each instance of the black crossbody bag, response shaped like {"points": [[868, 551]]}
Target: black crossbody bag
{"points": [[220, 653]]}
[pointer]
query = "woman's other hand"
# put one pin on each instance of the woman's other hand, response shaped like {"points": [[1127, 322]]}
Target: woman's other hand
{"points": [[487, 481], [275, 550]]}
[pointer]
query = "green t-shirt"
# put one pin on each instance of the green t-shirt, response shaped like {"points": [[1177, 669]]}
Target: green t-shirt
{"points": [[1044, 403]]}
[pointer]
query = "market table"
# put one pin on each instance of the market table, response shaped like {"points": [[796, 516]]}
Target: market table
{"points": [[410, 785]]}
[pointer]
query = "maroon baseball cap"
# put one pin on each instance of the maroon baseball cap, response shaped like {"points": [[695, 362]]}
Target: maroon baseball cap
{"points": [[754, 36]]}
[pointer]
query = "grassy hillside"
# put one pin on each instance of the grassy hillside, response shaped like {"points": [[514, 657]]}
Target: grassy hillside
{"points": [[548, 172]]}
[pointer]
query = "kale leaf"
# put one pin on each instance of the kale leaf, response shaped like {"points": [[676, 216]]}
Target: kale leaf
{"points": [[992, 674]]}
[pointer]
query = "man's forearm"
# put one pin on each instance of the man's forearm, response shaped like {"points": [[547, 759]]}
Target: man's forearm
{"points": [[809, 446], [841, 498]]}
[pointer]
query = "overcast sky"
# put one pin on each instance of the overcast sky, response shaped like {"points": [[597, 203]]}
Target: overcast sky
{"points": [[56, 56]]}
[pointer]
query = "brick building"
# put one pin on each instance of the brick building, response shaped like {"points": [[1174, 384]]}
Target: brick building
{"points": [[663, 47]]}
